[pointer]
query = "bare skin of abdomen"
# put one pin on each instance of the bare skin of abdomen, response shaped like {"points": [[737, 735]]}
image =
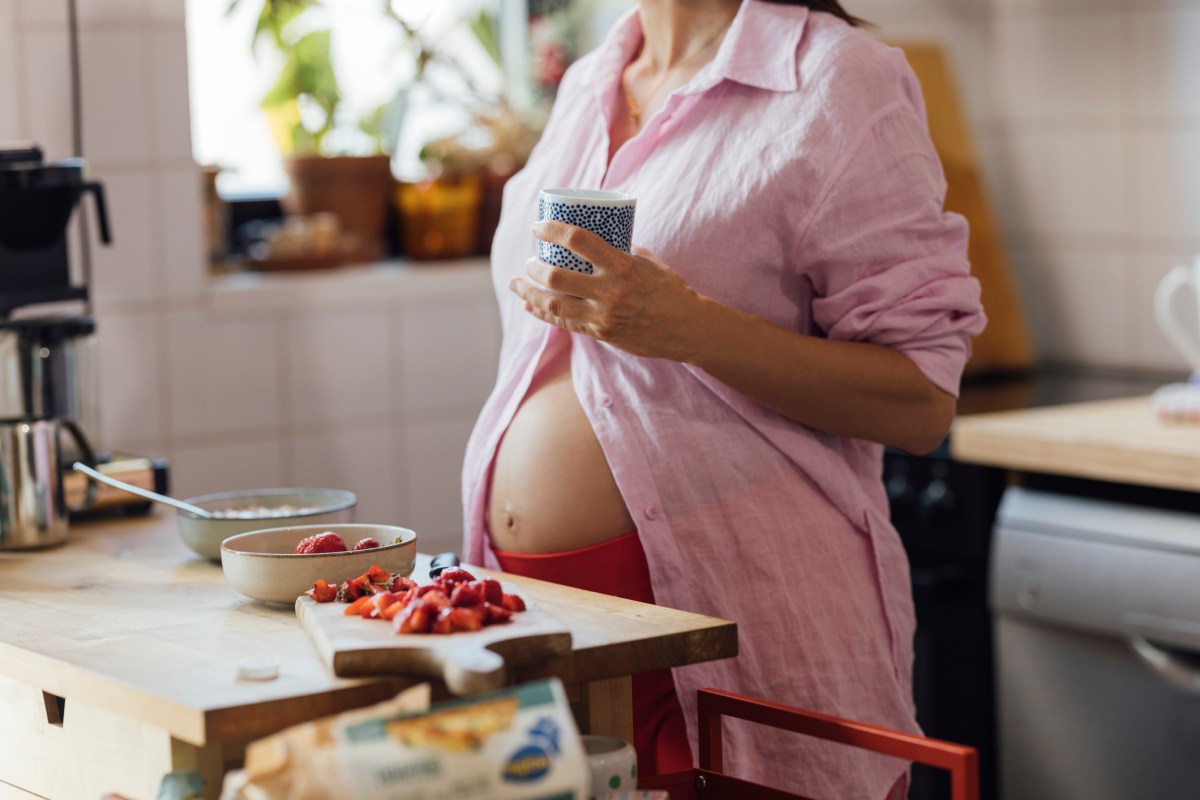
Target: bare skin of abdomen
{"points": [[552, 489]]}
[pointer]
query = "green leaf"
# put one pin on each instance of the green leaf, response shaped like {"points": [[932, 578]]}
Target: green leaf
{"points": [[486, 28], [275, 17]]}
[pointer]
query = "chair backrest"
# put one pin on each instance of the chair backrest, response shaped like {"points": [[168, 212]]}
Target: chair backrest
{"points": [[961, 762]]}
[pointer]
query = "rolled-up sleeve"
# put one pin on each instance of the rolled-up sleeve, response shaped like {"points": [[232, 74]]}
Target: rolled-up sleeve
{"points": [[887, 263]]}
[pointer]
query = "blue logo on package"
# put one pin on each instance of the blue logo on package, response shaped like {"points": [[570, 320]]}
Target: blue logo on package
{"points": [[613, 224], [532, 762]]}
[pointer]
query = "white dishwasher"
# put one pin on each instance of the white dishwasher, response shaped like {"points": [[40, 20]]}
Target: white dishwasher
{"points": [[1097, 625]]}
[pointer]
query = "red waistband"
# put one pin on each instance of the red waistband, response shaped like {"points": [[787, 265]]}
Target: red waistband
{"points": [[617, 567]]}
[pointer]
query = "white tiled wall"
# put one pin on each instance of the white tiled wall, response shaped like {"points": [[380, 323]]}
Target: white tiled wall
{"points": [[327, 393], [1087, 119]]}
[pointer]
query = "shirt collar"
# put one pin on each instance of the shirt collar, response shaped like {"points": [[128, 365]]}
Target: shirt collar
{"points": [[758, 50]]}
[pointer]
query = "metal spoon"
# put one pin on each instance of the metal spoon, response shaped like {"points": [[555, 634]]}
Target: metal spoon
{"points": [[140, 492]]}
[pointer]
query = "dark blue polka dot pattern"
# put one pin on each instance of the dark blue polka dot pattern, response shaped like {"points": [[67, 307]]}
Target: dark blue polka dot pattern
{"points": [[614, 225]]}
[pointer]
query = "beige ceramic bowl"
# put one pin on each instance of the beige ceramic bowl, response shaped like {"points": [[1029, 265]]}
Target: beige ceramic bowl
{"points": [[205, 534], [263, 564]]}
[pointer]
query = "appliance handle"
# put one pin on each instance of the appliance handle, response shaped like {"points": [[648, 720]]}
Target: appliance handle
{"points": [[1168, 666], [1185, 341], [97, 192]]}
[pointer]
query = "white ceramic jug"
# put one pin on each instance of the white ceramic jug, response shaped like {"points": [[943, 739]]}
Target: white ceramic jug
{"points": [[1186, 341]]}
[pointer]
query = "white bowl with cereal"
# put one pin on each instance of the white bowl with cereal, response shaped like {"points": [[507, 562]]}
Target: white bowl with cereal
{"points": [[255, 509]]}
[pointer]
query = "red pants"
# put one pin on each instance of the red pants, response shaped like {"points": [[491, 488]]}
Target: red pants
{"points": [[618, 567]]}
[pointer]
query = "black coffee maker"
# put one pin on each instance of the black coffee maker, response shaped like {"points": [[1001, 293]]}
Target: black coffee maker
{"points": [[47, 361], [37, 200]]}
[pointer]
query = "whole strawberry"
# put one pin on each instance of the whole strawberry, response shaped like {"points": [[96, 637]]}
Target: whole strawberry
{"points": [[366, 544], [327, 542]]}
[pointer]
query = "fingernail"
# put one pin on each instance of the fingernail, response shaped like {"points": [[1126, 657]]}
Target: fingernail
{"points": [[538, 226]]}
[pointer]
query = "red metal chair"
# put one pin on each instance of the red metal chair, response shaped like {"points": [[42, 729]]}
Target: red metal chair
{"points": [[710, 782]]}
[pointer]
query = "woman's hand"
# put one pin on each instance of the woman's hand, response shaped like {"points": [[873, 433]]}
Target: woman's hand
{"points": [[634, 302], [638, 303]]}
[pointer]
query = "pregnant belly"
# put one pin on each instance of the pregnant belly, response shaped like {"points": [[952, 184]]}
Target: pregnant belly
{"points": [[552, 489]]}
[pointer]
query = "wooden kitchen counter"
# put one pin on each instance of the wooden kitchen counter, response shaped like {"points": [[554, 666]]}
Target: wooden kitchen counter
{"points": [[119, 655], [1120, 441]]}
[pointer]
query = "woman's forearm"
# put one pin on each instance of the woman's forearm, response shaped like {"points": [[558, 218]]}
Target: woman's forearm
{"points": [[856, 389]]}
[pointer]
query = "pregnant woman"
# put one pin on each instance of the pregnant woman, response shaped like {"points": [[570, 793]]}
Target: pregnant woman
{"points": [[701, 423]]}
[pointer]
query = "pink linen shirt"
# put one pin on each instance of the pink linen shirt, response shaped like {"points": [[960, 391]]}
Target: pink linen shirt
{"points": [[793, 178]]}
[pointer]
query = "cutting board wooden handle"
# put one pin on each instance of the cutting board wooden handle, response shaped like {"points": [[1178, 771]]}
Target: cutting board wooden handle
{"points": [[470, 671]]}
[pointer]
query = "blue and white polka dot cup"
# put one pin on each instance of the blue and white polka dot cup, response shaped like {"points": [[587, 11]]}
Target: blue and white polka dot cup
{"points": [[608, 214]]}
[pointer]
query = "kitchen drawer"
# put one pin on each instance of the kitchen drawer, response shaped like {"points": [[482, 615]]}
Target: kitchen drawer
{"points": [[82, 753]]}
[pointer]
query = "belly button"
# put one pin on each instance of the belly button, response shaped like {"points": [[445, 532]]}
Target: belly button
{"points": [[509, 521]]}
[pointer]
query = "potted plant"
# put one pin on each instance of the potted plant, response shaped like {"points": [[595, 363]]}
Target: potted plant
{"points": [[302, 109], [450, 206], [460, 172]]}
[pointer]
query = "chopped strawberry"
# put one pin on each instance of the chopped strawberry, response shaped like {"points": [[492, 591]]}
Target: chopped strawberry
{"points": [[351, 590], [513, 603], [375, 604], [444, 622], [454, 576], [377, 576], [327, 542], [465, 619], [323, 592], [496, 615], [454, 602], [390, 612], [405, 597], [401, 582], [437, 598], [355, 608], [465, 595], [367, 543], [492, 592], [417, 618]]}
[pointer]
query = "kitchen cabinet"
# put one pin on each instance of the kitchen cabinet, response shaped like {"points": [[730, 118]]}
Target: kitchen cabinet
{"points": [[119, 656]]}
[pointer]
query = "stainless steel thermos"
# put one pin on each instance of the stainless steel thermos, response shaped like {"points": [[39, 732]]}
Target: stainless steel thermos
{"points": [[33, 507]]}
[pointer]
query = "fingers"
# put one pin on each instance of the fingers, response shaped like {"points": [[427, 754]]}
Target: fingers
{"points": [[579, 241], [551, 306], [567, 281]]}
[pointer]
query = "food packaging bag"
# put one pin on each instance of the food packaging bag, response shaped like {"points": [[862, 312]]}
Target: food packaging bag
{"points": [[519, 743]]}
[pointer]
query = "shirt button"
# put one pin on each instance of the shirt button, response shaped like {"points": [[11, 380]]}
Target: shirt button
{"points": [[652, 512], [606, 401]]}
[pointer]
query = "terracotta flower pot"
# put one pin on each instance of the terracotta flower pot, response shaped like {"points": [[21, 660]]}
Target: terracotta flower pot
{"points": [[357, 189]]}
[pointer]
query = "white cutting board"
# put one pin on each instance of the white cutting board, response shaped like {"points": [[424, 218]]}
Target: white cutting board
{"points": [[468, 662]]}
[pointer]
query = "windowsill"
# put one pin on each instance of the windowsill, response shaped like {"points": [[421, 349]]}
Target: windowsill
{"points": [[383, 283]]}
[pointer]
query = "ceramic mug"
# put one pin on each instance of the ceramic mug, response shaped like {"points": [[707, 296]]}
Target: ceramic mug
{"points": [[612, 764], [1186, 341], [607, 214]]}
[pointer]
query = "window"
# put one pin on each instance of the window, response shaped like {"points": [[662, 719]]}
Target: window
{"points": [[370, 57]]}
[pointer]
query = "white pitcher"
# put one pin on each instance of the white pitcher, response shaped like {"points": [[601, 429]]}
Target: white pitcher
{"points": [[1186, 341]]}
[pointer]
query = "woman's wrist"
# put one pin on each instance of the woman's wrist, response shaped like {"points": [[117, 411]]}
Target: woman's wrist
{"points": [[710, 328]]}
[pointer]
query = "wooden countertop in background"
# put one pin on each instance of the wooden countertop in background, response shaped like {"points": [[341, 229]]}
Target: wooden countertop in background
{"points": [[1113, 440]]}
